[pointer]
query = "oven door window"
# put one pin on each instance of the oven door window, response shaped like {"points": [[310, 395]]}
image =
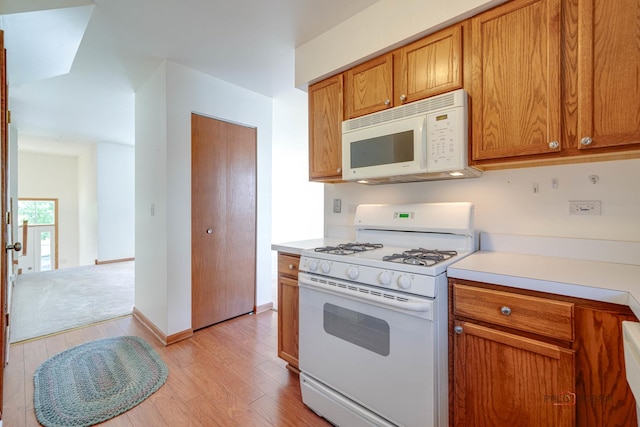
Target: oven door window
{"points": [[357, 328]]}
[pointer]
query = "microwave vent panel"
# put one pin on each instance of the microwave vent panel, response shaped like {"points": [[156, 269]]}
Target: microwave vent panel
{"points": [[447, 100]]}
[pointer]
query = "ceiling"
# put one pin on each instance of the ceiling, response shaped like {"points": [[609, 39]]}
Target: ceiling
{"points": [[74, 65]]}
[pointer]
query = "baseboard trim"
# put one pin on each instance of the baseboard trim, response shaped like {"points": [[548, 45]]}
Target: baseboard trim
{"points": [[174, 338], [264, 307], [112, 261], [164, 339]]}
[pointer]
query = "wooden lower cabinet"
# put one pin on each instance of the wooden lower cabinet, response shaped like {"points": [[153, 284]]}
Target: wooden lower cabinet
{"points": [[504, 370], [503, 379], [288, 309], [603, 395]]}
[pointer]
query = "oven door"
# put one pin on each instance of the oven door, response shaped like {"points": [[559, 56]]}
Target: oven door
{"points": [[375, 348]]}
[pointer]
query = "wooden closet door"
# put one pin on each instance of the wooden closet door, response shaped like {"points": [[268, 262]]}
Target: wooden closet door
{"points": [[223, 220]]}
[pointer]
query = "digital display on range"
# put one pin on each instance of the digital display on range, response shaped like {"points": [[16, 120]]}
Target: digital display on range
{"points": [[403, 215]]}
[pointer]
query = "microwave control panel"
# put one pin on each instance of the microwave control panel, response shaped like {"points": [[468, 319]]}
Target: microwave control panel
{"points": [[446, 140]]}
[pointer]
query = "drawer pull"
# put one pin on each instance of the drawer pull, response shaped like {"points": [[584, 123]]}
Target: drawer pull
{"points": [[290, 266], [505, 310], [457, 329]]}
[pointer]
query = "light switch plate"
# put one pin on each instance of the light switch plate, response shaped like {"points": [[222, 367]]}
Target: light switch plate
{"points": [[337, 205]]}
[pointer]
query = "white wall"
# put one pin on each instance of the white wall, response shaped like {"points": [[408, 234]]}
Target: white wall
{"points": [[186, 91], [297, 203], [54, 177], [384, 25], [151, 200], [87, 206], [116, 201], [505, 202]]}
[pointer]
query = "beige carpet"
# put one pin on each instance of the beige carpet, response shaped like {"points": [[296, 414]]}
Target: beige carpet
{"points": [[54, 301]]}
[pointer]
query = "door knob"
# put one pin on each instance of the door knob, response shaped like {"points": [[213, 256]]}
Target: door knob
{"points": [[17, 246], [209, 231]]}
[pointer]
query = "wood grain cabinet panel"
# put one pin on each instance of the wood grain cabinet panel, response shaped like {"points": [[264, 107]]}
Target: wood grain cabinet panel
{"points": [[522, 312], [369, 87], [325, 129], [603, 397], [503, 379], [516, 80], [429, 66], [288, 309], [288, 265], [608, 74], [513, 372]]}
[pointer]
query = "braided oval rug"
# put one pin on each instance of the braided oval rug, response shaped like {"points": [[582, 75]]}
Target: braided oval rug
{"points": [[96, 381]]}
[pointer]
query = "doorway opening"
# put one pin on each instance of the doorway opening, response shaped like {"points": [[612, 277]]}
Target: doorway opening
{"points": [[38, 226]]}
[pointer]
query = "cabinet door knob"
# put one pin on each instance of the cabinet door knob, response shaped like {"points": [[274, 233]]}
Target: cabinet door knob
{"points": [[505, 310], [586, 140], [387, 102], [554, 144], [339, 170], [403, 98], [457, 329], [290, 266]]}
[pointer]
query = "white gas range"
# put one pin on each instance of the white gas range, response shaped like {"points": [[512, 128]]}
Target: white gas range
{"points": [[373, 316]]}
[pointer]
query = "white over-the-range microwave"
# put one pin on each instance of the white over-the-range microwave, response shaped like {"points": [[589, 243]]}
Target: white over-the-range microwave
{"points": [[419, 141]]}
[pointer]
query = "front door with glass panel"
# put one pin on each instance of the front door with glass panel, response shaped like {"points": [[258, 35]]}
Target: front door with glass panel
{"points": [[37, 225]]}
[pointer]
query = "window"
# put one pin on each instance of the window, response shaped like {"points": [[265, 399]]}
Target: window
{"points": [[39, 237], [37, 212]]}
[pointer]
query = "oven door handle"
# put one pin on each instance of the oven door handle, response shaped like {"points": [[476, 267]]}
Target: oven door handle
{"points": [[381, 297]]}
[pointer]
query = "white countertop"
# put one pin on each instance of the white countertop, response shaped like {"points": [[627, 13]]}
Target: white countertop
{"points": [[297, 247], [582, 278]]}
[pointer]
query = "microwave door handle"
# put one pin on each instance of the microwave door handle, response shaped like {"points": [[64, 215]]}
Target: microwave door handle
{"points": [[423, 135]]}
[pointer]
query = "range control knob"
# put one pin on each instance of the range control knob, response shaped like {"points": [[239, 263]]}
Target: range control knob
{"points": [[353, 273], [313, 265], [384, 278], [404, 282], [326, 267]]}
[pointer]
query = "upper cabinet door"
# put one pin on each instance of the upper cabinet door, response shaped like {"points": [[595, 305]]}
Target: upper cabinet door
{"points": [[325, 129], [369, 87], [516, 80], [608, 73], [429, 66]]}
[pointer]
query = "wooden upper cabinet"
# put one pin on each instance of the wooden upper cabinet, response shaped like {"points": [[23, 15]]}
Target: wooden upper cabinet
{"points": [[608, 73], [516, 80], [369, 87], [429, 66], [325, 129]]}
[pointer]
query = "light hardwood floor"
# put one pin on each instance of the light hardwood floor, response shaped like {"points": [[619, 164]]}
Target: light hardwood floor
{"points": [[225, 375]]}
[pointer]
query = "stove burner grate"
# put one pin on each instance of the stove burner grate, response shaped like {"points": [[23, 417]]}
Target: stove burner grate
{"points": [[423, 257], [349, 248]]}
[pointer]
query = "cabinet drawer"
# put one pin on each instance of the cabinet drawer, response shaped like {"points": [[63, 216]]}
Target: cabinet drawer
{"points": [[288, 265], [540, 316]]}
